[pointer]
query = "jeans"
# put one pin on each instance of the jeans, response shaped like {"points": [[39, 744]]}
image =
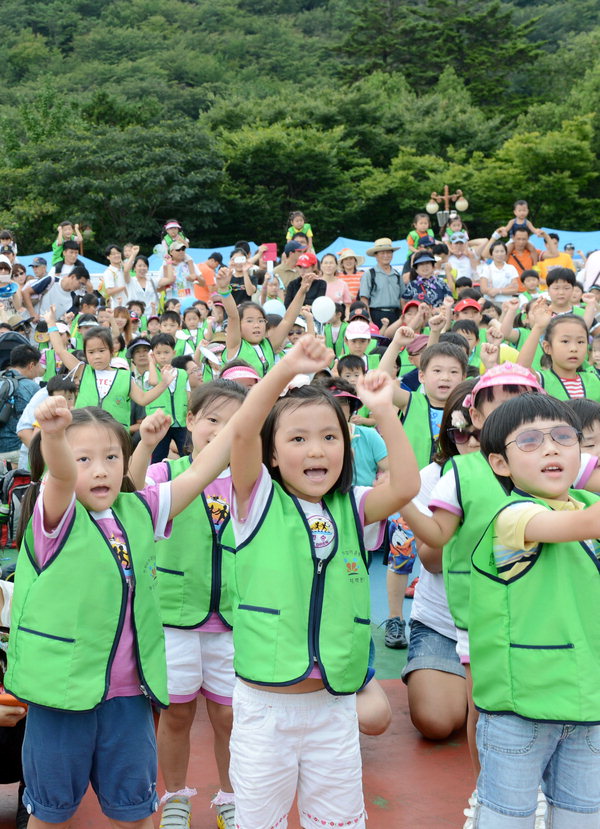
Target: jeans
{"points": [[518, 755]]}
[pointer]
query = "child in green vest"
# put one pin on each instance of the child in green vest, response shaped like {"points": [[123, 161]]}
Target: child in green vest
{"points": [[87, 646], [301, 605], [247, 336], [196, 609], [565, 341], [588, 416], [442, 367], [99, 384], [173, 399], [357, 339], [534, 626]]}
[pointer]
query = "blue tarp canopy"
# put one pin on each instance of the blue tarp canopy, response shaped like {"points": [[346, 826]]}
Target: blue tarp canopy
{"points": [[583, 241]]}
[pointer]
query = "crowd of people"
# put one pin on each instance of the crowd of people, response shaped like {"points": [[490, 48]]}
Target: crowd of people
{"points": [[218, 450]]}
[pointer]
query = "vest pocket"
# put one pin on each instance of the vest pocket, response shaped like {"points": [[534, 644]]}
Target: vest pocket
{"points": [[537, 668], [51, 636], [360, 621], [259, 609]]}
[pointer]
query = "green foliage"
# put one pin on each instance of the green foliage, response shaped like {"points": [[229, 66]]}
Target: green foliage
{"points": [[231, 114]]}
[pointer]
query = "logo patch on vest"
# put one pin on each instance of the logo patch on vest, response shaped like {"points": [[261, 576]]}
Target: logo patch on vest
{"points": [[322, 531], [218, 508]]}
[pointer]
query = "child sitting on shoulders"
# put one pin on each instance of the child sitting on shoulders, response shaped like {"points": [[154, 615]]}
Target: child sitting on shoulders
{"points": [[298, 224]]}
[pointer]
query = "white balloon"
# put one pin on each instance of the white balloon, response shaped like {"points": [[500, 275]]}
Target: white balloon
{"points": [[323, 309], [274, 306]]}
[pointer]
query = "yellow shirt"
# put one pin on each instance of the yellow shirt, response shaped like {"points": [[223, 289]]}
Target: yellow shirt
{"points": [[562, 260]]}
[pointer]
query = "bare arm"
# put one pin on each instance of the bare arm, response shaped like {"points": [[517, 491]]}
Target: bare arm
{"points": [[558, 527], [306, 357], [54, 417], [278, 335], [375, 389], [434, 530], [143, 398], [510, 309]]}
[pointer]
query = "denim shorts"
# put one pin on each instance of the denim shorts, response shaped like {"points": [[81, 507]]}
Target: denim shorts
{"points": [[432, 650], [518, 755], [112, 747]]}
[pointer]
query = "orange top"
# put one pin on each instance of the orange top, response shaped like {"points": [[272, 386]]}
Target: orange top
{"points": [[201, 291]]}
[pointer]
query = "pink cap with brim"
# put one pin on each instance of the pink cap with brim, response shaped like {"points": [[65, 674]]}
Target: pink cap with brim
{"points": [[506, 374], [240, 373]]}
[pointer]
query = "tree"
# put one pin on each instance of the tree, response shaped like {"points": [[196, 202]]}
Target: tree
{"points": [[477, 38]]}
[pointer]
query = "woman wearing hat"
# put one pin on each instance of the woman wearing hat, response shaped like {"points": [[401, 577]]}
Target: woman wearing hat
{"points": [[424, 285], [349, 263], [381, 287]]}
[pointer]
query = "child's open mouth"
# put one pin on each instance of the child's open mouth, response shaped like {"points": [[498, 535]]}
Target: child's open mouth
{"points": [[100, 490], [552, 469], [315, 473]]}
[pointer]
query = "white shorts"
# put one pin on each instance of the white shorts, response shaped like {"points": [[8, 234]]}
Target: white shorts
{"points": [[283, 744], [462, 646], [199, 663]]}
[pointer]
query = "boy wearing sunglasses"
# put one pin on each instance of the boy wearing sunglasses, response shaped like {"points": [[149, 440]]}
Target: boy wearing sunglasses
{"points": [[534, 627]]}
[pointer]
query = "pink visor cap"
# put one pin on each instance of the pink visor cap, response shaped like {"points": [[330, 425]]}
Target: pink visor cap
{"points": [[506, 374]]}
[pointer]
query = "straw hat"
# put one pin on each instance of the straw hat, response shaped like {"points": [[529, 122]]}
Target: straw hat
{"points": [[348, 253], [381, 244]]}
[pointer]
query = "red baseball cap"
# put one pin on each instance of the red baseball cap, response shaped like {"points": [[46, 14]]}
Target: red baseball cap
{"points": [[307, 260], [410, 304], [466, 303]]}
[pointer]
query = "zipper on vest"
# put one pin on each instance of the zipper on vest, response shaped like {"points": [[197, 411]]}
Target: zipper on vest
{"points": [[215, 587], [314, 615], [113, 650]]}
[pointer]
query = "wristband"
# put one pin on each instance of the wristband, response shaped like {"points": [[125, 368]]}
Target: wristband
{"points": [[495, 235], [52, 329], [225, 293]]}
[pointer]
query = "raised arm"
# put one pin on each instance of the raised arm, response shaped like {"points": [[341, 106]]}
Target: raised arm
{"points": [[403, 336], [542, 315], [54, 417], [306, 357], [69, 360], [277, 335], [152, 429], [510, 309], [375, 389]]}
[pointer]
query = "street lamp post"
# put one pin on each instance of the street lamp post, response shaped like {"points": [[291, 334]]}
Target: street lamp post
{"points": [[435, 200]]}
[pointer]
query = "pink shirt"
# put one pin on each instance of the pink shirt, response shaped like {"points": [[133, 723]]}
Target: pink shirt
{"points": [[124, 679], [218, 498], [338, 291]]}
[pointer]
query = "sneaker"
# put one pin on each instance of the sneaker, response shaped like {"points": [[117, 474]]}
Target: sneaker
{"points": [[469, 812], [409, 593], [176, 813], [394, 633], [226, 816]]}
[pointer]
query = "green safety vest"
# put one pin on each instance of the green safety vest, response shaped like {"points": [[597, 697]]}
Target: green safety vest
{"points": [[417, 425], [405, 363], [117, 402], [479, 492], [50, 364], [555, 387], [248, 353], [536, 364], [174, 403], [535, 639], [292, 610], [180, 346], [338, 345], [68, 615], [193, 577]]}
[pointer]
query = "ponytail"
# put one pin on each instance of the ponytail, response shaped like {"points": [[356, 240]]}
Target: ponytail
{"points": [[36, 465]]}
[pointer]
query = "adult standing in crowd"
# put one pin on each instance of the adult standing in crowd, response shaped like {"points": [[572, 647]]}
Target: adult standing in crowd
{"points": [[205, 282], [381, 287]]}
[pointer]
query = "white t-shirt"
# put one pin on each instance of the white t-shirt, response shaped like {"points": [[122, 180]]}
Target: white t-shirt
{"points": [[499, 278], [104, 380], [462, 266], [318, 520], [181, 287], [115, 278], [26, 421], [148, 295], [430, 605], [54, 295]]}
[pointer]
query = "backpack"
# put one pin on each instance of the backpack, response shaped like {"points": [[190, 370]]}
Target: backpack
{"points": [[14, 486], [8, 389], [372, 282]]}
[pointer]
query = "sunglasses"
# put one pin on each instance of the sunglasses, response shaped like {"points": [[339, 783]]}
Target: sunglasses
{"points": [[532, 439], [460, 437]]}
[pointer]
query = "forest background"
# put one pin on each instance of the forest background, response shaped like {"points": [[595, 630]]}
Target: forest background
{"points": [[227, 114]]}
